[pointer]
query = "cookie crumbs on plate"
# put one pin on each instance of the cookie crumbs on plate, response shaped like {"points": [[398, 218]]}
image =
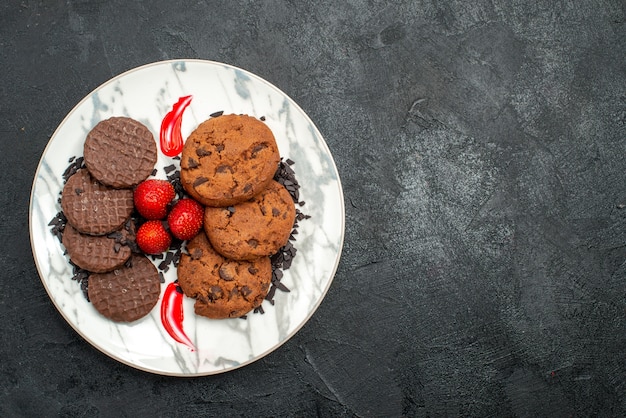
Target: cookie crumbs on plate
{"points": [[75, 165]]}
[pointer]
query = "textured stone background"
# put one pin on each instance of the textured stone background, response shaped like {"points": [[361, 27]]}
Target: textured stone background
{"points": [[482, 150]]}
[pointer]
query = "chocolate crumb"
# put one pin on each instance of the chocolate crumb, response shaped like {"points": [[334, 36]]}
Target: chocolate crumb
{"points": [[282, 287], [174, 179], [82, 277], [176, 258], [116, 236], [287, 177], [58, 225], [76, 164], [270, 295], [216, 114], [164, 265]]}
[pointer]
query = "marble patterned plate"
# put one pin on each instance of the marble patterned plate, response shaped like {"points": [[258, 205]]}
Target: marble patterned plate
{"points": [[147, 93]]}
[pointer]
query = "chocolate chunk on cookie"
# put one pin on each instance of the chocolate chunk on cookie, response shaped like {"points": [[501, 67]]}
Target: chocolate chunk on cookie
{"points": [[255, 228], [93, 208], [222, 288], [120, 152], [98, 254], [127, 293], [228, 159]]}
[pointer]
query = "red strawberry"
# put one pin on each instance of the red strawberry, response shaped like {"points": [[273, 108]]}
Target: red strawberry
{"points": [[152, 197], [186, 219], [153, 238]]}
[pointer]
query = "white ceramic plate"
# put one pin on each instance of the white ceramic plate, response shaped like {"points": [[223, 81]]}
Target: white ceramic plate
{"points": [[147, 93]]}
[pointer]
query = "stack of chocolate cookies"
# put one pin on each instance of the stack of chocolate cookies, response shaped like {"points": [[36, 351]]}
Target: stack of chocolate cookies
{"points": [[228, 164], [97, 201]]}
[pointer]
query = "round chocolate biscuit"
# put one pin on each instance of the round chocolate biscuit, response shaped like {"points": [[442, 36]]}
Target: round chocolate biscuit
{"points": [[93, 208], [222, 288], [98, 254], [228, 159], [256, 228], [127, 293], [120, 152]]}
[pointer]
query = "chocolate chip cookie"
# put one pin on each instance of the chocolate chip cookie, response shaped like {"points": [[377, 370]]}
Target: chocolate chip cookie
{"points": [[228, 159], [255, 228], [222, 288]]}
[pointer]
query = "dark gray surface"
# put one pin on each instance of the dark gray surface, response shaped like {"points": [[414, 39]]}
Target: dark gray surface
{"points": [[482, 150]]}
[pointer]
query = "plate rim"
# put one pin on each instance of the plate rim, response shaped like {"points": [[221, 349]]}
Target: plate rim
{"points": [[259, 356]]}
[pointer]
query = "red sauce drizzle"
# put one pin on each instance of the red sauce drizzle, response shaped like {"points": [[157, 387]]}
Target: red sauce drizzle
{"points": [[171, 139], [172, 314]]}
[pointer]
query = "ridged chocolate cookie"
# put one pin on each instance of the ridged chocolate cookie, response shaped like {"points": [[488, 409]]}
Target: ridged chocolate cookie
{"points": [[120, 152], [222, 288], [98, 254], [93, 208], [228, 159], [252, 229], [127, 293]]}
